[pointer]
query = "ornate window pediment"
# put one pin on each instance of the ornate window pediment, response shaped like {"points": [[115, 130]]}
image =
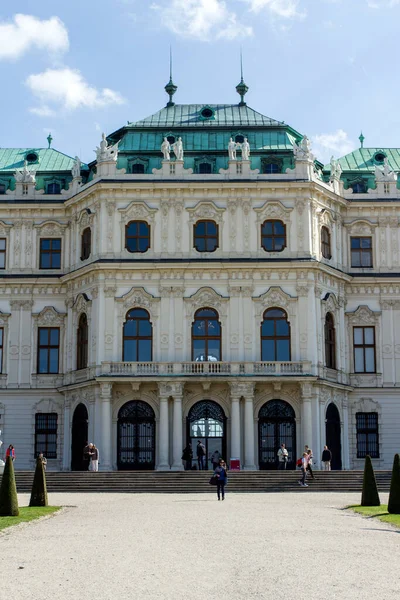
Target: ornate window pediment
{"points": [[206, 297], [207, 211], [138, 165], [325, 217], [137, 210], [274, 297], [363, 315], [82, 304], [49, 317], [361, 227], [137, 297], [51, 228], [85, 220], [273, 210], [329, 304], [204, 160]]}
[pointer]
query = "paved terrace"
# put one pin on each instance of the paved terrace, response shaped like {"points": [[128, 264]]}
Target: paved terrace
{"points": [[191, 547]]}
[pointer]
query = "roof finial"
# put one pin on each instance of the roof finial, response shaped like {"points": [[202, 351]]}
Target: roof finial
{"points": [[49, 140], [241, 88], [361, 138], [170, 88]]}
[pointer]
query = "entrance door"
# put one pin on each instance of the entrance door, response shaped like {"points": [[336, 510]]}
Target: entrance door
{"points": [[136, 437], [333, 436], [276, 426], [207, 422], [80, 422]]}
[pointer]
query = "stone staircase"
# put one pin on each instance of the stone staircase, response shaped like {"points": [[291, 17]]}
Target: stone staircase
{"points": [[197, 482]]}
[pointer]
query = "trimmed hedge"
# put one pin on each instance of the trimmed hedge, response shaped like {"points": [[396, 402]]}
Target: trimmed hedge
{"points": [[394, 496], [8, 491], [370, 495], [39, 488]]}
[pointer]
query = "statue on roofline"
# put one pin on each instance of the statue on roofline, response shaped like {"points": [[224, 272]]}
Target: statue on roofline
{"points": [[105, 153], [302, 151], [386, 175], [25, 175], [245, 147], [336, 169], [76, 168], [177, 147], [232, 149], [166, 149]]}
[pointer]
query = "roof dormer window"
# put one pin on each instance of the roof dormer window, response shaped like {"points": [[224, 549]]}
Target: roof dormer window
{"points": [[379, 157], [31, 157], [207, 113]]}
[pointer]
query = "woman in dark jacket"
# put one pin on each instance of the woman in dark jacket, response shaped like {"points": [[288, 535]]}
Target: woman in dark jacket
{"points": [[222, 478], [187, 456]]}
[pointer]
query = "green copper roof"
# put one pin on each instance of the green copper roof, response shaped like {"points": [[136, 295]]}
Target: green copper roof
{"points": [[48, 160], [189, 115], [363, 160]]}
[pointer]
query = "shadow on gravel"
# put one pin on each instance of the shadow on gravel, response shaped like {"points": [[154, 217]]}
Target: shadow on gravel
{"points": [[385, 530]]}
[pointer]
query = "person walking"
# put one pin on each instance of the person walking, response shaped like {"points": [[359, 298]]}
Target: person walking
{"points": [[94, 458], [326, 458], [187, 456], [215, 458], [283, 457], [10, 452], [43, 459], [310, 462], [201, 452], [304, 463], [221, 474]]}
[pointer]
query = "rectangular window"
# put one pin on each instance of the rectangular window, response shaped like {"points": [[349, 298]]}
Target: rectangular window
{"points": [[364, 349], [48, 349], [367, 435], [3, 248], [361, 251], [46, 434], [50, 253], [1, 348]]}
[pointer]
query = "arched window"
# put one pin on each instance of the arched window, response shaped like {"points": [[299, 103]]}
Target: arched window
{"points": [[138, 336], [239, 139], [270, 168], [326, 243], [275, 335], [138, 168], [273, 236], [82, 343], [53, 188], [359, 187], [206, 335], [205, 236], [330, 344], [137, 236], [86, 243], [205, 168]]}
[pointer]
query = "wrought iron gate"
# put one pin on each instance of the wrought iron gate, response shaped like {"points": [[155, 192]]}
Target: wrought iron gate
{"points": [[136, 436], [276, 425]]}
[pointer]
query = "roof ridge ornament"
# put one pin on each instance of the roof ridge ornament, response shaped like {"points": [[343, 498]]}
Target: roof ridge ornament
{"points": [[170, 88], [361, 138], [49, 140], [242, 88]]}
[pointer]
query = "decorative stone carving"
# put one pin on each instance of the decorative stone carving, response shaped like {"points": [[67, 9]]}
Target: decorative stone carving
{"points": [[51, 229], [76, 168], [239, 388], [137, 210], [275, 296], [232, 149], [206, 296], [85, 220], [138, 297], [170, 388], [329, 304], [273, 210], [177, 148], [206, 210], [363, 316], [386, 174], [302, 151], [82, 304], [166, 149], [105, 153], [361, 227], [336, 169], [49, 317], [25, 175]]}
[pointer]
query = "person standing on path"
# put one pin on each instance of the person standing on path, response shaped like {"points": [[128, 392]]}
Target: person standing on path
{"points": [[201, 452], [220, 473], [326, 458], [310, 462], [187, 456], [283, 457], [94, 459], [215, 458], [304, 464], [86, 457], [43, 459], [10, 452]]}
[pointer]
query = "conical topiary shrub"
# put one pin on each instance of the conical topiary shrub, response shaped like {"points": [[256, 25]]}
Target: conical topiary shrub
{"points": [[394, 496], [39, 489], [8, 491], [370, 496]]}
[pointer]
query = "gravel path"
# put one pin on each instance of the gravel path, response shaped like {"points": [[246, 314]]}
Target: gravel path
{"points": [[191, 547]]}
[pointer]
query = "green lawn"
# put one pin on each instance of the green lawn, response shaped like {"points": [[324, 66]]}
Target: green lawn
{"points": [[380, 512], [26, 514]]}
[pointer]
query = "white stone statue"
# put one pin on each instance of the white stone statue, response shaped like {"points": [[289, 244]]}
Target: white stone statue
{"points": [[25, 175], [177, 147], [302, 151], [76, 168], [386, 175], [166, 149], [245, 147], [336, 169], [105, 153], [232, 149]]}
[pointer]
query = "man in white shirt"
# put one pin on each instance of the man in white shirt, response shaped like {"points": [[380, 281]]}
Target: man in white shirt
{"points": [[283, 457]]}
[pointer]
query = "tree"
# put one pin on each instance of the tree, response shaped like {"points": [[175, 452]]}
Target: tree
{"points": [[8, 491], [39, 488], [394, 496], [370, 495]]}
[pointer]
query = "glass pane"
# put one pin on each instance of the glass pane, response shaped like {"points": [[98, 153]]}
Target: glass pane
{"points": [[2, 244], [56, 261], [214, 350], [282, 350], [132, 245], [268, 350], [267, 228], [144, 350], [54, 337], [366, 259], [45, 244], [1, 337], [355, 242], [279, 228], [211, 245], [282, 327], [1, 360], [359, 360], [45, 261], [366, 242], [355, 259], [144, 328], [56, 244], [199, 328], [143, 244], [132, 228], [267, 328], [275, 312], [130, 328], [369, 360], [200, 245], [42, 366], [369, 335], [199, 350], [279, 244], [130, 350], [200, 228], [143, 229], [214, 327], [358, 335], [267, 244], [2, 260], [54, 360], [43, 336], [211, 228]]}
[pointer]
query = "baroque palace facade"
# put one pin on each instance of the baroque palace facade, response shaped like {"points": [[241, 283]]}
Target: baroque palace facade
{"points": [[205, 278]]}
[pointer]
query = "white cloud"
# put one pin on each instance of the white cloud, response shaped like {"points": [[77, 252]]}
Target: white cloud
{"points": [[25, 32], [201, 19], [382, 3], [288, 9], [42, 111], [328, 144], [67, 89]]}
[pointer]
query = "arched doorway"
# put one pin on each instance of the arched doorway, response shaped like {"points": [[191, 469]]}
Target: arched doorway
{"points": [[333, 436], [207, 422], [80, 422], [136, 437], [276, 426]]}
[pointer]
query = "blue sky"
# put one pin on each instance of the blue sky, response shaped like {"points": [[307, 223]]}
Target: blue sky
{"points": [[326, 67]]}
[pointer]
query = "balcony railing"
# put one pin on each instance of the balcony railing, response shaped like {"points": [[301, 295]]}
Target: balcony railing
{"points": [[184, 369]]}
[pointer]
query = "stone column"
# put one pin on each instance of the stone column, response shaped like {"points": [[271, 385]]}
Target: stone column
{"points": [[306, 414], [177, 394], [106, 426], [249, 452], [163, 433], [235, 420], [345, 433], [66, 462]]}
